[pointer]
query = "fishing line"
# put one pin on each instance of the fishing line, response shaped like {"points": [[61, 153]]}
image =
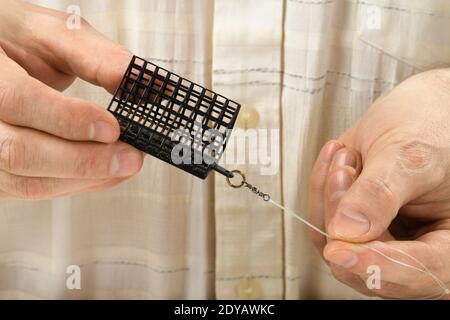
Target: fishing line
{"points": [[266, 197]]}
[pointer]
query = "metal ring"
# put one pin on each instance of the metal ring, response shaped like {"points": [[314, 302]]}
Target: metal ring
{"points": [[239, 173]]}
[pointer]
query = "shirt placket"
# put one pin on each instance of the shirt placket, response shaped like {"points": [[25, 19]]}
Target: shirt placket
{"points": [[247, 42]]}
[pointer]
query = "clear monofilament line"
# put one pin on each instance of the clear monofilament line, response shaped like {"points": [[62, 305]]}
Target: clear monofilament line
{"points": [[309, 224], [422, 269]]}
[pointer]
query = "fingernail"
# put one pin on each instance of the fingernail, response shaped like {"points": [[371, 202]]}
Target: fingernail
{"points": [[102, 131], [329, 151], [345, 158], [343, 258], [341, 182], [125, 163], [349, 224]]}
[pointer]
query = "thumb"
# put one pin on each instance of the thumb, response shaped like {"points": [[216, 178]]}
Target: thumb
{"points": [[388, 180], [77, 50]]}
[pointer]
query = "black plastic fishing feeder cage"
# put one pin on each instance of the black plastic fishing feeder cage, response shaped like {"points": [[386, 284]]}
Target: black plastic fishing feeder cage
{"points": [[172, 118]]}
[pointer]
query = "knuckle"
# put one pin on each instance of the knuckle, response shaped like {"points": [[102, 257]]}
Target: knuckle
{"points": [[6, 93], [10, 102], [32, 188], [317, 178], [66, 127], [336, 171], [341, 275], [378, 188], [82, 110], [12, 153], [85, 166], [415, 155]]}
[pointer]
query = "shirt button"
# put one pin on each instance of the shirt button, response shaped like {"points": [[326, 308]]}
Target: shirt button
{"points": [[248, 289], [248, 117]]}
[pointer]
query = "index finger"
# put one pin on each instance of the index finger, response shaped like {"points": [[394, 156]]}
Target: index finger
{"points": [[404, 263], [30, 103], [317, 186]]}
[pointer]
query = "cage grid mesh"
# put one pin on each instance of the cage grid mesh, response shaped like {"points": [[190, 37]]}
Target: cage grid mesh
{"points": [[158, 110]]}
